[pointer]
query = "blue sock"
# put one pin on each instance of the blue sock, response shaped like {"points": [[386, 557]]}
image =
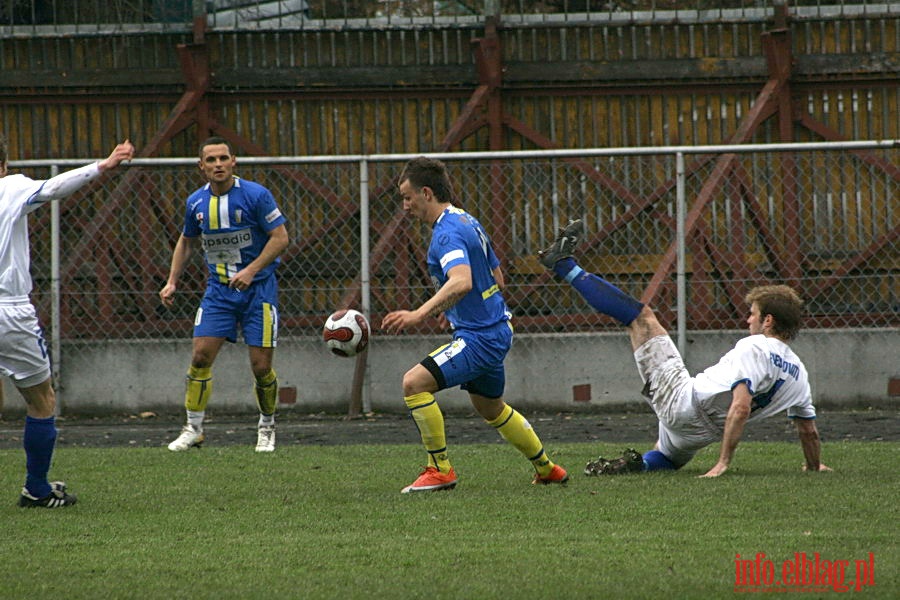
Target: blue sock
{"points": [[603, 296], [655, 460], [38, 440]]}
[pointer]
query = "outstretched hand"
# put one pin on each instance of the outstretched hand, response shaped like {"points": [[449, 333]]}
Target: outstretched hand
{"points": [[717, 470], [121, 153], [398, 320]]}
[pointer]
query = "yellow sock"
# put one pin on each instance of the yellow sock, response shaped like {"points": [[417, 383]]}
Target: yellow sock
{"points": [[198, 388], [267, 392], [516, 430], [428, 418]]}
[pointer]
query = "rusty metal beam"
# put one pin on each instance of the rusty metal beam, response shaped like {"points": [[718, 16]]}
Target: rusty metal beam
{"points": [[867, 156], [771, 246], [762, 109], [542, 141], [195, 68], [767, 103], [850, 265], [469, 120]]}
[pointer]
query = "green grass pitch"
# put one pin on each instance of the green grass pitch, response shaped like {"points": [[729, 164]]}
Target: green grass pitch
{"points": [[329, 522]]}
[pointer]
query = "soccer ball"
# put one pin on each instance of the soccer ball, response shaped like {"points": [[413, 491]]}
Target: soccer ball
{"points": [[346, 332]]}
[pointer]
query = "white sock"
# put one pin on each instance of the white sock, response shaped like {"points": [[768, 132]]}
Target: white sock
{"points": [[266, 420], [195, 418]]}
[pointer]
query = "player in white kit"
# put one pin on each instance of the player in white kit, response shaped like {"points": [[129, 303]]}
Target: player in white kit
{"points": [[760, 377], [23, 350]]}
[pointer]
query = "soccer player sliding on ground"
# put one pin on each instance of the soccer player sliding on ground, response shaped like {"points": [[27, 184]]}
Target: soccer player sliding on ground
{"points": [[758, 378]]}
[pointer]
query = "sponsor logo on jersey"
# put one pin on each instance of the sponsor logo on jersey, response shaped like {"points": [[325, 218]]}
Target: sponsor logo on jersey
{"points": [[230, 240], [273, 215]]}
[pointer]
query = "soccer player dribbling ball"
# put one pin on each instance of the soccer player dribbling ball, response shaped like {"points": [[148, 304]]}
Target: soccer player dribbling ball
{"points": [[469, 282]]}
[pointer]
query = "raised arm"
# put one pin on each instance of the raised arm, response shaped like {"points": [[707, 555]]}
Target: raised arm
{"points": [[66, 184]]}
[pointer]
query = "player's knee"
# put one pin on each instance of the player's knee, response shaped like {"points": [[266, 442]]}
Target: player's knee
{"points": [[414, 383], [201, 360], [647, 322], [409, 386], [41, 406], [261, 368]]}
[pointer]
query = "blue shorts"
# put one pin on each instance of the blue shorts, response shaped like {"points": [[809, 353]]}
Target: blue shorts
{"points": [[255, 309], [473, 360]]}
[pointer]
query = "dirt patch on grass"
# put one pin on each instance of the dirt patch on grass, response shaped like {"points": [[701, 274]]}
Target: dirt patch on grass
{"points": [[322, 429]]}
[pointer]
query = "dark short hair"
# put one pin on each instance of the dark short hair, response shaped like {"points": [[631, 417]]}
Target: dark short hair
{"points": [[428, 172], [215, 141], [783, 303]]}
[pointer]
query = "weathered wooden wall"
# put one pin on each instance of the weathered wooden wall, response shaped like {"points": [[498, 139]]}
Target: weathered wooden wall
{"points": [[362, 91], [572, 85]]}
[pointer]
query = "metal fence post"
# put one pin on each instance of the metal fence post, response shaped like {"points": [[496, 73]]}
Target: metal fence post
{"points": [[55, 290], [364, 274], [680, 203]]}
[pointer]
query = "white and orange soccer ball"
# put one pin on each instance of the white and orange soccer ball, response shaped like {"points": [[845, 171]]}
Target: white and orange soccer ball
{"points": [[346, 332]]}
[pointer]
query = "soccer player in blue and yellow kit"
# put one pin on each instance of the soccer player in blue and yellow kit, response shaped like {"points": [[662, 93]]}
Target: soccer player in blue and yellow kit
{"points": [[242, 233], [468, 281]]}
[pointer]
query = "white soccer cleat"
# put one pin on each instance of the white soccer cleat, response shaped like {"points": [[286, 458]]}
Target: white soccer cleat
{"points": [[190, 436], [265, 439]]}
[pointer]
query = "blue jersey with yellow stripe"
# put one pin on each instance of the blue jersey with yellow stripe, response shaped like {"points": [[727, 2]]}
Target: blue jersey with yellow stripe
{"points": [[458, 238], [234, 227]]}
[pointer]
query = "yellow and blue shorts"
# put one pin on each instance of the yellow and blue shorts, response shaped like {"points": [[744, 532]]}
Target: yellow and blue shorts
{"points": [[473, 360], [255, 310]]}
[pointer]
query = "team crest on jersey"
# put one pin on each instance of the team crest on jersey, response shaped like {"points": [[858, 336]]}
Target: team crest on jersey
{"points": [[238, 215]]}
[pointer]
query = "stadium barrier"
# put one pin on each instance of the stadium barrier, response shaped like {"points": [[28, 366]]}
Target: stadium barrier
{"points": [[689, 229]]}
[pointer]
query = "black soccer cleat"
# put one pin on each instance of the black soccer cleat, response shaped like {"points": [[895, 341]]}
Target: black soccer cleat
{"points": [[630, 462], [564, 244], [57, 498]]}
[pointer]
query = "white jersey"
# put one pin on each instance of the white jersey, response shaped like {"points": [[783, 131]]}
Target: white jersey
{"points": [[776, 377], [23, 351], [20, 195], [15, 254]]}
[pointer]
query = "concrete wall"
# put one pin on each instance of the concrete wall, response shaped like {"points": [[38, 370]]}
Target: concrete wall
{"points": [[544, 372]]}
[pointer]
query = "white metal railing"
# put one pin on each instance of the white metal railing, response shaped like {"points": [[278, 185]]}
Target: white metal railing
{"points": [[235, 15]]}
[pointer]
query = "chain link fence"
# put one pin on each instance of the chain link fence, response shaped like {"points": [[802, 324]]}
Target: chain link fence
{"points": [[825, 218]]}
